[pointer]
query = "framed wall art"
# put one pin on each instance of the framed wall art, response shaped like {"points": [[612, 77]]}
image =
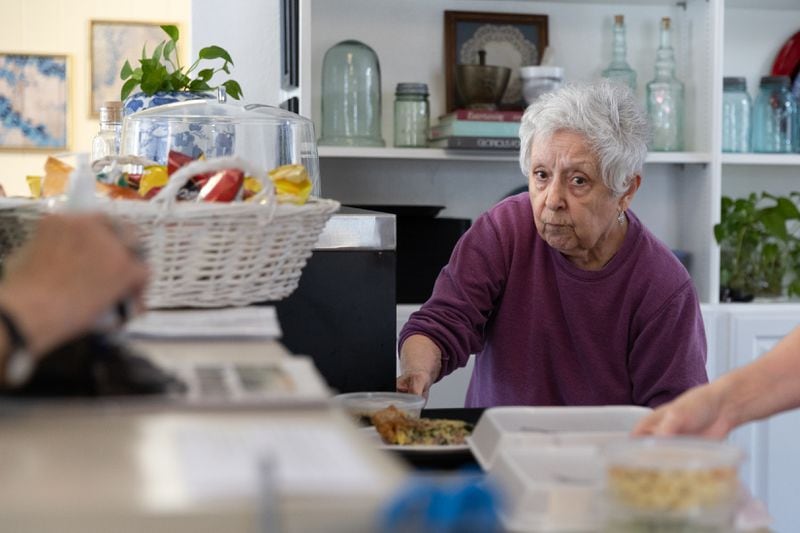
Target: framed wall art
{"points": [[509, 40], [34, 94], [111, 44]]}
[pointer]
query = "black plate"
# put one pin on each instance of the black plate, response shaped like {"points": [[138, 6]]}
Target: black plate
{"points": [[403, 210]]}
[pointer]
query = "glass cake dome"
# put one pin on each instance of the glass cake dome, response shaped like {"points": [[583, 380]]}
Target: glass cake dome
{"points": [[263, 135]]}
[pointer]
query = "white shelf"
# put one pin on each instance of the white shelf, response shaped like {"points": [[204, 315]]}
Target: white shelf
{"points": [[679, 158], [603, 2], [764, 4], [347, 152], [761, 159], [351, 152]]}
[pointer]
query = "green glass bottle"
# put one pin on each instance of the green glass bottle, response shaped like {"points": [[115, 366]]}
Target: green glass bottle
{"points": [[665, 97], [619, 69]]}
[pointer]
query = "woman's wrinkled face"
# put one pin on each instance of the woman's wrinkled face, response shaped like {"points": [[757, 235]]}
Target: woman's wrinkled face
{"points": [[573, 210]]}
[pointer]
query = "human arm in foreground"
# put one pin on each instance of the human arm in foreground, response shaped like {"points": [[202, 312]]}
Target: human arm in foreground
{"points": [[766, 386]]}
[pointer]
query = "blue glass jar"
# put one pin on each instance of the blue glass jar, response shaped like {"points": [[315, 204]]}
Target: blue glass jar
{"points": [[775, 128], [736, 109], [351, 96]]}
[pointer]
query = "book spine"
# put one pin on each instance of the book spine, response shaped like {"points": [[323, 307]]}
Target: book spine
{"points": [[477, 114], [475, 128], [477, 143]]}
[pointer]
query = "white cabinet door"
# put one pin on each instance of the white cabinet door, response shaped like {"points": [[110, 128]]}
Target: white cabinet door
{"points": [[772, 468]]}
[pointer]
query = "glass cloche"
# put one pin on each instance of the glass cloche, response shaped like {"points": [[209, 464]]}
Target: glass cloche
{"points": [[263, 135]]}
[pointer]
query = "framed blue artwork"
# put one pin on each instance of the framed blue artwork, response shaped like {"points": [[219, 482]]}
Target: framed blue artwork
{"points": [[33, 101], [111, 44]]}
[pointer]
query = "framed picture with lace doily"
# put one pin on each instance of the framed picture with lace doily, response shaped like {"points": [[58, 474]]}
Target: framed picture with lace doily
{"points": [[509, 40]]}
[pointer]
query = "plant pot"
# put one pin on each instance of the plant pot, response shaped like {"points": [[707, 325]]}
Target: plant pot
{"points": [[728, 294], [153, 139]]}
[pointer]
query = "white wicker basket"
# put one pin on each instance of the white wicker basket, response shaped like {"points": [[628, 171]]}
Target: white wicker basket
{"points": [[208, 254]]}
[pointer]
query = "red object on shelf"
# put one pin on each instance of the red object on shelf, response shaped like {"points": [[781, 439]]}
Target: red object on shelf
{"points": [[787, 62]]}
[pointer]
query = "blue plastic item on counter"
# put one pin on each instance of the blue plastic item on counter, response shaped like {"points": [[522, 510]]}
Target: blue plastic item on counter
{"points": [[466, 504]]}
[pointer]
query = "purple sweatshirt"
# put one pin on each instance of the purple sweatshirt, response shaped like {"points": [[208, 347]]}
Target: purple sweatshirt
{"points": [[546, 332]]}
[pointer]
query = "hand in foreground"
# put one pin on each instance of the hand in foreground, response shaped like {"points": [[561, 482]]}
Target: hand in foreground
{"points": [[73, 269], [699, 411]]}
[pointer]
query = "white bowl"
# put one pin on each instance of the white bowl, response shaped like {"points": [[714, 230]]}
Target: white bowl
{"points": [[538, 80]]}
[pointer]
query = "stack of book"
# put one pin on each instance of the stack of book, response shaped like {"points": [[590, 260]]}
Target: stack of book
{"points": [[475, 129]]}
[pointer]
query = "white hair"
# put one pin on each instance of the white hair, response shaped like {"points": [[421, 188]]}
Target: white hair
{"points": [[606, 114]]}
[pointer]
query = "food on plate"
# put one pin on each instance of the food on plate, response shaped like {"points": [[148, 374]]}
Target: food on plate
{"points": [[291, 183], [396, 427]]}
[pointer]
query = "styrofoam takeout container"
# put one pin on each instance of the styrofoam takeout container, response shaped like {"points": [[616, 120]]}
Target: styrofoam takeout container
{"points": [[525, 427], [549, 488]]}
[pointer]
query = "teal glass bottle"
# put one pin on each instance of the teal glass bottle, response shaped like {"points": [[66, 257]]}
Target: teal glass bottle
{"points": [[351, 96], [619, 69], [665, 97]]}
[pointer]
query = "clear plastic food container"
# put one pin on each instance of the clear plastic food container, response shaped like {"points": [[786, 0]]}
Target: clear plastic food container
{"points": [[265, 136], [363, 404], [502, 428], [674, 485]]}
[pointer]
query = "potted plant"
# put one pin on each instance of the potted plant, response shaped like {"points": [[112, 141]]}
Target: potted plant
{"points": [[162, 79], [759, 246]]}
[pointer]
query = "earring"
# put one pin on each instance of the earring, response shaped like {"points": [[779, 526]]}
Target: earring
{"points": [[621, 217]]}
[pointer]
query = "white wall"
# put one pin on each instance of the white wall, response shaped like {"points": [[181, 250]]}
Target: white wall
{"points": [[250, 31], [62, 27]]}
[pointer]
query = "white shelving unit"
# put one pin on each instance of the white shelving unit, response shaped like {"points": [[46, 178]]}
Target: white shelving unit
{"points": [[680, 190]]}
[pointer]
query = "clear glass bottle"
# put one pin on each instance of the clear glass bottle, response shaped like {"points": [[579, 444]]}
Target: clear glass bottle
{"points": [[665, 97], [775, 120], [736, 111], [107, 140], [351, 96], [411, 115], [619, 69]]}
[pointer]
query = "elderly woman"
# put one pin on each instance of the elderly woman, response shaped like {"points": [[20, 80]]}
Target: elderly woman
{"points": [[562, 293]]}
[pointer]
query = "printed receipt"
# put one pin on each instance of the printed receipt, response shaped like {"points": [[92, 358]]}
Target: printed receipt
{"points": [[301, 458], [236, 322]]}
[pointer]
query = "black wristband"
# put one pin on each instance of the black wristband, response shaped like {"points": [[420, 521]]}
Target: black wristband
{"points": [[17, 340], [18, 364]]}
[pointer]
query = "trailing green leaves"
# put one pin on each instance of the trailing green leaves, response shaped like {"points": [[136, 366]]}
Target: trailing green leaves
{"points": [[162, 71], [759, 238]]}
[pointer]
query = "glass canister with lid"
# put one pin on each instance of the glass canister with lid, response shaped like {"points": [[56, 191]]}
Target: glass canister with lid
{"points": [[736, 109], [775, 128], [351, 96], [411, 115]]}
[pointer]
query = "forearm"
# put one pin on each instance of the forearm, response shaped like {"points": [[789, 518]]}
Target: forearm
{"points": [[419, 353], [768, 385]]}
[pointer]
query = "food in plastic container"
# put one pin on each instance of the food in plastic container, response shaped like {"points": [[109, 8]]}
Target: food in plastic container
{"points": [[362, 405], [681, 485]]}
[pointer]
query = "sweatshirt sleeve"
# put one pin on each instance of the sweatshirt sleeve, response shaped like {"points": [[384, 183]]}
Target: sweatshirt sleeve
{"points": [[463, 296], [669, 350]]}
